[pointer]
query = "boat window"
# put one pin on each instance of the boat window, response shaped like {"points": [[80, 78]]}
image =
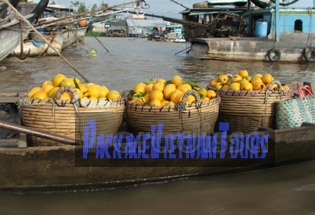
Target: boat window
{"points": [[298, 26]]}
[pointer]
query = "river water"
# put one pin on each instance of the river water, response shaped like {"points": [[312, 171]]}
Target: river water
{"points": [[283, 190]]}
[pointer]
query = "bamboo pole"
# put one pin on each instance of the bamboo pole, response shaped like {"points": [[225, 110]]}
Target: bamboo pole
{"points": [[32, 131], [42, 37]]}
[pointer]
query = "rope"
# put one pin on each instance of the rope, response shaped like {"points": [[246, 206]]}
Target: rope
{"points": [[48, 43]]}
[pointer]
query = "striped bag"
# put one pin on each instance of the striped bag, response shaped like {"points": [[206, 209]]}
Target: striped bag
{"points": [[291, 113]]}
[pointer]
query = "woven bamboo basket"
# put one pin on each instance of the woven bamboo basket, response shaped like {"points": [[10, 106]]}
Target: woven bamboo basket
{"points": [[246, 111], [183, 118], [67, 118]]}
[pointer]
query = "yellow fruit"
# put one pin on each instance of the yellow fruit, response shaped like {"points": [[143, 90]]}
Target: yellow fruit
{"points": [[285, 87], [177, 96], [243, 73], [256, 80], [223, 79], [67, 82], [177, 80], [244, 81], [140, 87], [47, 88], [139, 101], [211, 94], [155, 102], [248, 78], [149, 87], [158, 86], [205, 98], [168, 89], [259, 86], [202, 92], [235, 86], [247, 86], [218, 85], [33, 91], [273, 87], [40, 95], [94, 90], [267, 78], [45, 83], [83, 88], [156, 94], [213, 82], [65, 96], [190, 99], [258, 75], [79, 92], [161, 80], [225, 87], [77, 81], [236, 78], [53, 92], [104, 90], [184, 87], [57, 79], [113, 95]]}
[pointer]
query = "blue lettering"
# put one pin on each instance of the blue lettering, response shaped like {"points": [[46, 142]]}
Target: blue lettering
{"points": [[264, 149], [213, 145], [172, 146], [156, 141], [201, 148], [102, 146], [89, 135], [234, 147], [244, 146], [254, 147], [117, 145], [223, 127], [131, 146], [191, 146], [145, 146]]}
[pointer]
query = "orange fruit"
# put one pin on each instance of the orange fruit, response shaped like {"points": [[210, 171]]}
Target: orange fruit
{"points": [[57, 79], [65, 96], [40, 95], [156, 94], [53, 92], [211, 94], [45, 83], [177, 96], [158, 86], [177, 80], [140, 87], [113, 95], [94, 90], [168, 89], [155, 102], [104, 90], [33, 91], [267, 78]]}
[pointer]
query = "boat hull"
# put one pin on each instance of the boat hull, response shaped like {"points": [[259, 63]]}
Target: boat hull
{"points": [[249, 48], [31, 49], [50, 168]]}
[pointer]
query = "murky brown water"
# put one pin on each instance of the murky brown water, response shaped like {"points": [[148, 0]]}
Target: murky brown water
{"points": [[285, 190], [132, 60]]}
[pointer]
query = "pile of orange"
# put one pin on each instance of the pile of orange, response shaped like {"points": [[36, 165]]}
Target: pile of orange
{"points": [[159, 92], [92, 91], [243, 81]]}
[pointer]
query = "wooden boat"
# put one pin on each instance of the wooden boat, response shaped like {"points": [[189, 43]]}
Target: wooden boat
{"points": [[14, 32], [269, 33], [55, 168]]}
